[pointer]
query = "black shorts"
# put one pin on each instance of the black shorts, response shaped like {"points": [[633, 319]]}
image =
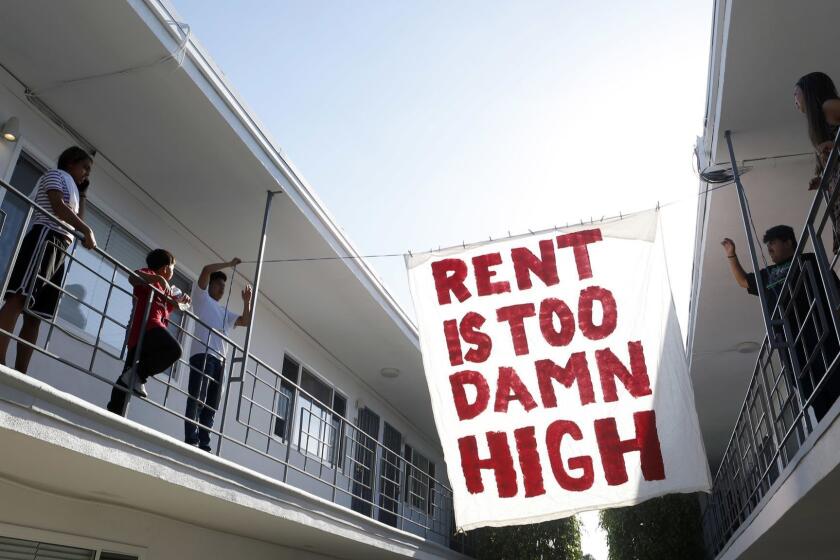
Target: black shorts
{"points": [[41, 256]]}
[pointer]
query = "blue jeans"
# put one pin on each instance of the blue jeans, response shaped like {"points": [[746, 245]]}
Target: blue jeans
{"points": [[205, 388]]}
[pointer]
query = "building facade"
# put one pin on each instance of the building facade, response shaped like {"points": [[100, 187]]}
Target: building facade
{"points": [[324, 444], [764, 369]]}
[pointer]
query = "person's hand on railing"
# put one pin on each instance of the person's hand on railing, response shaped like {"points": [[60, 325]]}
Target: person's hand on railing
{"points": [[158, 279], [234, 262], [823, 151], [88, 238], [814, 183]]}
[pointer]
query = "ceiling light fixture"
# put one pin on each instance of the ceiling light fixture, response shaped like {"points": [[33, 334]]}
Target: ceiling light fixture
{"points": [[389, 372], [11, 129]]}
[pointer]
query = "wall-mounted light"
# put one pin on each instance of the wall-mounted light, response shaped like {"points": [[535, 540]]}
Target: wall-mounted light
{"points": [[11, 129]]}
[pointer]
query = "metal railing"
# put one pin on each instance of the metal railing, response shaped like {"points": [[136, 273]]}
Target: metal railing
{"points": [[266, 421], [795, 380]]}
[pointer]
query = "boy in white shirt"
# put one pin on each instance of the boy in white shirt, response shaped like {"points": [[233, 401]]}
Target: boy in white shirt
{"points": [[209, 350]]}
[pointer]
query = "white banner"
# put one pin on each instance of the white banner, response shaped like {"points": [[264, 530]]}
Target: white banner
{"points": [[557, 373]]}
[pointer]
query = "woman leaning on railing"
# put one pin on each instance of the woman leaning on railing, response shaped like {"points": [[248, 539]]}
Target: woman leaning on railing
{"points": [[816, 97]]}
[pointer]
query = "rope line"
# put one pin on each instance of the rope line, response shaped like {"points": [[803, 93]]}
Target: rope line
{"points": [[582, 222], [177, 55], [230, 291]]}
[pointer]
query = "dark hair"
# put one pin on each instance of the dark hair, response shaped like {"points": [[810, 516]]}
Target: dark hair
{"points": [[218, 275], [71, 155], [159, 258], [780, 233], [817, 88]]}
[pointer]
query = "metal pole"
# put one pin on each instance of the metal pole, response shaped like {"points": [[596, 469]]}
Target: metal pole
{"points": [[138, 348], [224, 402], [247, 346], [745, 215]]}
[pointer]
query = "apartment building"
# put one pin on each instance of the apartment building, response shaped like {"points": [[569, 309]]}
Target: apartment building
{"points": [[760, 367], [324, 444]]}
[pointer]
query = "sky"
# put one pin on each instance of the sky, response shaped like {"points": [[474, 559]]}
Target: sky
{"points": [[428, 123]]}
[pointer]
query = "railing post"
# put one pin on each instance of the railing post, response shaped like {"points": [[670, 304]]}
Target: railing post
{"points": [[826, 276], [246, 349], [745, 216], [769, 415], [223, 402], [129, 392]]}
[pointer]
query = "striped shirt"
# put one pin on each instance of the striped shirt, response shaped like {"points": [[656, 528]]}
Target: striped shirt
{"points": [[55, 180]]}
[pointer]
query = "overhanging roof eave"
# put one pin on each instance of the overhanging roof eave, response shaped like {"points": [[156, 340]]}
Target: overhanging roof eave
{"points": [[199, 66]]}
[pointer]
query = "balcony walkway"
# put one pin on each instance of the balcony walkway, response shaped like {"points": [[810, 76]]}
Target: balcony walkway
{"points": [[60, 444], [785, 439], [266, 421]]}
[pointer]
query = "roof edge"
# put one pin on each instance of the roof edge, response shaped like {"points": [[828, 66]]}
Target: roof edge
{"points": [[164, 15]]}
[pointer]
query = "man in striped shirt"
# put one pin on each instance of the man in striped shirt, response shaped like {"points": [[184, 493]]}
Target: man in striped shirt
{"points": [[38, 273]]}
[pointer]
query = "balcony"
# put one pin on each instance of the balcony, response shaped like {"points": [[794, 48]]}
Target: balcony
{"points": [[790, 399], [276, 420]]}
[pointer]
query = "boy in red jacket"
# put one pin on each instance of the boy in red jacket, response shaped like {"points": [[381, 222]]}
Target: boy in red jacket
{"points": [[159, 349]]}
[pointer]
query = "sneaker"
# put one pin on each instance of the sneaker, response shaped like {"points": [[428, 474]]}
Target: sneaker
{"points": [[140, 389]]}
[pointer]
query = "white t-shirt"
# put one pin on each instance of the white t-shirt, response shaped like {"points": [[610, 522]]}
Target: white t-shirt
{"points": [[56, 180], [212, 313]]}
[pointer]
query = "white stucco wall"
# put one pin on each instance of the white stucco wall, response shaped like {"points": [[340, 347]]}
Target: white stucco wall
{"points": [[275, 335], [32, 514]]}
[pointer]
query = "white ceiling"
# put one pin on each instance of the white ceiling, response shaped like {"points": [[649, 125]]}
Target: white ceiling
{"points": [[769, 44], [163, 127]]}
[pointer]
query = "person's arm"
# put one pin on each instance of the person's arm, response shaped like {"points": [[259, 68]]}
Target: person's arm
{"points": [[143, 277], [831, 110], [735, 267], [82, 205], [66, 214], [204, 277], [244, 319]]}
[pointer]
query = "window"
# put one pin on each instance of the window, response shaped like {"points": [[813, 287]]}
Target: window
{"points": [[390, 470], [315, 412], [86, 280], [25, 175], [420, 484], [286, 398], [13, 549]]}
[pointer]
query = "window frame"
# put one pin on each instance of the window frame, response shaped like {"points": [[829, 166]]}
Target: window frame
{"points": [[32, 151], [180, 275], [292, 428], [67, 539], [429, 506]]}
